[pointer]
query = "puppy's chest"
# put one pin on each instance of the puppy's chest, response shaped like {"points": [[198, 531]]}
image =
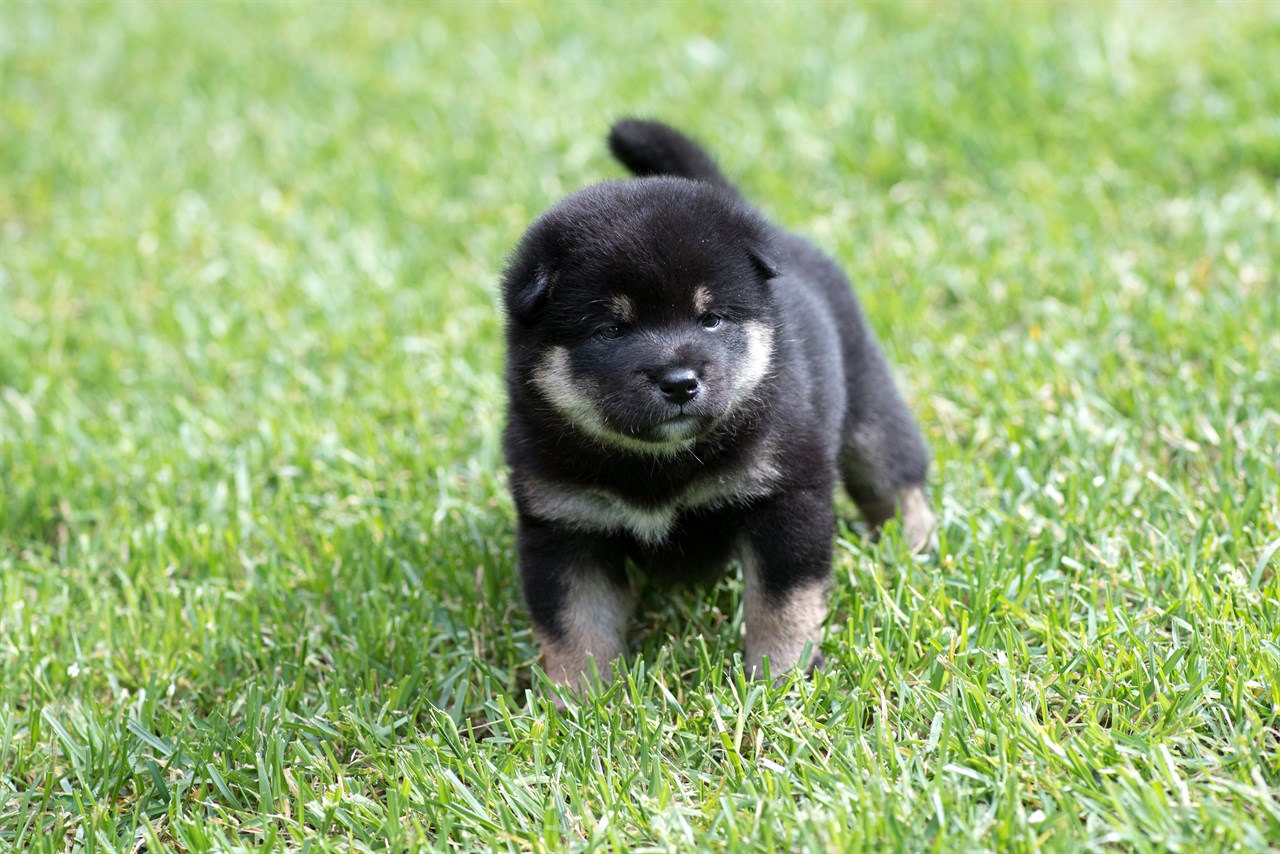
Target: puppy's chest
{"points": [[596, 509]]}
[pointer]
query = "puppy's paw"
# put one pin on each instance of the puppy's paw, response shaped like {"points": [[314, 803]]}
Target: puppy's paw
{"points": [[810, 663], [783, 626], [572, 670], [919, 525]]}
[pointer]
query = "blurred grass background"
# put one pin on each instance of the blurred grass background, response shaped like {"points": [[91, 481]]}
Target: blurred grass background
{"points": [[256, 570]]}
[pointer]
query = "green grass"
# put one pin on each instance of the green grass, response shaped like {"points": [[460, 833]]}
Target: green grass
{"points": [[256, 548]]}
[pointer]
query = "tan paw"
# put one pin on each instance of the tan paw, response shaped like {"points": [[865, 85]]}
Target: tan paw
{"points": [[919, 525]]}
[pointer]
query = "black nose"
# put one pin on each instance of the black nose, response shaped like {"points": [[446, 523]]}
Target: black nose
{"points": [[679, 385]]}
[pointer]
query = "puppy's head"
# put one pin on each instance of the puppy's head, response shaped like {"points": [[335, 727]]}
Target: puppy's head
{"points": [[640, 311]]}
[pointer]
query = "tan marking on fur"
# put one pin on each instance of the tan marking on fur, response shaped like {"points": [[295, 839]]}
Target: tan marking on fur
{"points": [[701, 300], [755, 365], [623, 308], [554, 378], [591, 509], [594, 616], [919, 525], [780, 630]]}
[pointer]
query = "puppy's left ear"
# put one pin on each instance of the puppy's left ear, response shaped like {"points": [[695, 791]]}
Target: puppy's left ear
{"points": [[762, 259]]}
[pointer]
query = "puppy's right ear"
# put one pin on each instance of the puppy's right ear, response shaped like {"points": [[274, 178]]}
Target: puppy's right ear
{"points": [[535, 292], [527, 289]]}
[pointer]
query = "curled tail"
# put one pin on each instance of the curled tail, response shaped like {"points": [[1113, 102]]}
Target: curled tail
{"points": [[652, 148]]}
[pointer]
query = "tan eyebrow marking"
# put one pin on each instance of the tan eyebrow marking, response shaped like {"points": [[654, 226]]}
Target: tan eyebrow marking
{"points": [[623, 307], [701, 299]]}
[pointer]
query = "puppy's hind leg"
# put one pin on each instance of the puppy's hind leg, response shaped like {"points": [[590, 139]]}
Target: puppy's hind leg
{"points": [[883, 463]]}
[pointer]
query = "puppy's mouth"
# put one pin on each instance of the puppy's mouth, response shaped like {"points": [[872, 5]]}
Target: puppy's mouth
{"points": [[681, 426]]}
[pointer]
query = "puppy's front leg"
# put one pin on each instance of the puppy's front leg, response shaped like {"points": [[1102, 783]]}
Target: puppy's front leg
{"points": [[578, 597], [786, 560]]}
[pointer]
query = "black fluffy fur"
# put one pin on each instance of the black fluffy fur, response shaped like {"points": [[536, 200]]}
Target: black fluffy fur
{"points": [[826, 409]]}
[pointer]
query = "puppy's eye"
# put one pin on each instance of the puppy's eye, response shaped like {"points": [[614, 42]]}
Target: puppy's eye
{"points": [[610, 333], [711, 321]]}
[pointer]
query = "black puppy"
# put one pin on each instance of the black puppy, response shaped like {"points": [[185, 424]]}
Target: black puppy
{"points": [[687, 382]]}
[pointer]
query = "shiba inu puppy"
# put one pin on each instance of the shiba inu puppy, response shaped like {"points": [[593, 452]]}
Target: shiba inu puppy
{"points": [[687, 383]]}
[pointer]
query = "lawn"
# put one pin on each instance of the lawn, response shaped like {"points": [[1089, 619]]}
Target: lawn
{"points": [[257, 581]]}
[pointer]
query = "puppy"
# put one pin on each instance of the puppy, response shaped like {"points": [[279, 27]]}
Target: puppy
{"points": [[686, 384]]}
